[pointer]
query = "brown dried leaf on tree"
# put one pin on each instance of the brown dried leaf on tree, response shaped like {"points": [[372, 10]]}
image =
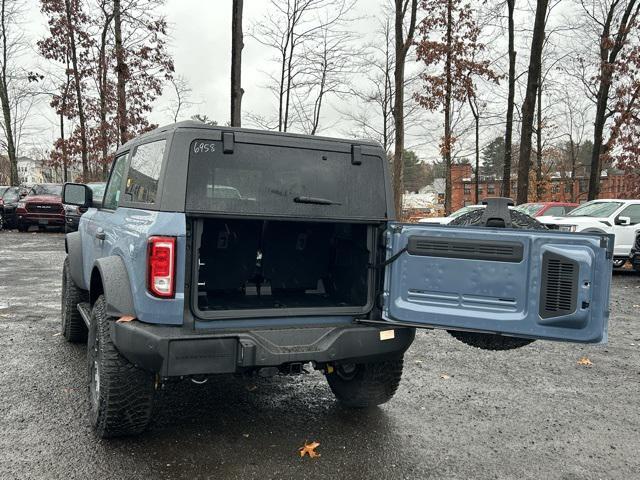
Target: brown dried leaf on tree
{"points": [[309, 449]]}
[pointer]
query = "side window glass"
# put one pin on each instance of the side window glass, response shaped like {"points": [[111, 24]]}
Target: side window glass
{"points": [[112, 192], [633, 212], [144, 172], [555, 211]]}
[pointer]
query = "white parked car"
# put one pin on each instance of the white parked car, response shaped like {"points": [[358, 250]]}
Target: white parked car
{"points": [[620, 217], [456, 214]]}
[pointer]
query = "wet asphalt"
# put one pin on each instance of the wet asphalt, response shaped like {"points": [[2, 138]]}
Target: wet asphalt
{"points": [[459, 412]]}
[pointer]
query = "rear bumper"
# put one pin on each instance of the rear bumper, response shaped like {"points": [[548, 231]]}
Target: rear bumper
{"points": [[176, 351]]}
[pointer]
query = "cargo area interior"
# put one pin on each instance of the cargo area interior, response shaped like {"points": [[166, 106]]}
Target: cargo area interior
{"points": [[267, 264]]}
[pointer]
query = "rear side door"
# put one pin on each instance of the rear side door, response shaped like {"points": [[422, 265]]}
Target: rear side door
{"points": [[523, 283]]}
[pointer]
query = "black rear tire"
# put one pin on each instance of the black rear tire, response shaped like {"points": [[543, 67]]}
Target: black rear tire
{"points": [[73, 326], [365, 385], [22, 228], [120, 394], [489, 341]]}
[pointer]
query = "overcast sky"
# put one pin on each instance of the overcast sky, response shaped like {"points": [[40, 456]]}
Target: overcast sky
{"points": [[201, 43]]}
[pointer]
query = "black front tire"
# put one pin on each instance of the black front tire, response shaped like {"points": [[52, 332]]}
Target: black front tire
{"points": [[619, 262], [120, 394], [364, 385], [489, 341], [22, 228], [73, 326]]}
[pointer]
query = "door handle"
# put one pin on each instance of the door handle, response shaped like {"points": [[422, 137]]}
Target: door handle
{"points": [[100, 235]]}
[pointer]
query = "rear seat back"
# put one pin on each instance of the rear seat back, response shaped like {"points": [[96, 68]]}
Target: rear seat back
{"points": [[229, 251], [296, 255]]}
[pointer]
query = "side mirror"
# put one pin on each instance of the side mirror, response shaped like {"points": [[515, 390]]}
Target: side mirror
{"points": [[623, 221], [77, 194]]}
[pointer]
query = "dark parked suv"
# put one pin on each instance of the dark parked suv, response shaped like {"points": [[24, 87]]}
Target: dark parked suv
{"points": [[220, 250], [8, 204], [635, 253], [42, 207]]}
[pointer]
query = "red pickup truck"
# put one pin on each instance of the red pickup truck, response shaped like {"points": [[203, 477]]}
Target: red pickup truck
{"points": [[42, 207]]}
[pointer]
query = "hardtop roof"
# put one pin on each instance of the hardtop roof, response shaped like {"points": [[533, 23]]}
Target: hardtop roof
{"points": [[193, 124]]}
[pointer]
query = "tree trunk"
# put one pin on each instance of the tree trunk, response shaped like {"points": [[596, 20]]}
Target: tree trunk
{"points": [[401, 49], [528, 106], [78, 87], [598, 134], [6, 107], [102, 82], [476, 117], [237, 44], [64, 150], [121, 71], [447, 114], [539, 188], [506, 175]]}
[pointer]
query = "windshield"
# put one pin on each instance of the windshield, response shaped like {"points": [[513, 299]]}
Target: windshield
{"points": [[595, 209], [530, 208], [97, 189], [464, 210], [46, 189], [11, 195]]}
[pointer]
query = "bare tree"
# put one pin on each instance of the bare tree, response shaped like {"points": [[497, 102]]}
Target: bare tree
{"points": [[182, 98], [12, 44], [237, 44], [404, 32], [528, 106], [289, 26], [329, 62], [508, 135], [608, 27]]}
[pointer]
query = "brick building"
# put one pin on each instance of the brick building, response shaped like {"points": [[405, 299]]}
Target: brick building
{"points": [[612, 185]]}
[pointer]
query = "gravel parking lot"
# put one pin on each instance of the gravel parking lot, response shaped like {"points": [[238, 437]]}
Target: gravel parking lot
{"points": [[459, 413]]}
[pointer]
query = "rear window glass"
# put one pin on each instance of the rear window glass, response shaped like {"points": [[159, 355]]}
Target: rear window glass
{"points": [[271, 180], [144, 172]]}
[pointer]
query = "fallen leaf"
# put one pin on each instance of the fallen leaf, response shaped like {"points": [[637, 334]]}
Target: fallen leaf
{"points": [[309, 449], [125, 318], [444, 376], [585, 361], [56, 334]]}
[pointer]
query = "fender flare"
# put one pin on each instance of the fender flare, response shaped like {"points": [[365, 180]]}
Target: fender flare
{"points": [[73, 247], [116, 287]]}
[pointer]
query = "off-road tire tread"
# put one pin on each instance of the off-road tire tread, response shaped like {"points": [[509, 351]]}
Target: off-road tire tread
{"points": [[126, 391], [375, 383], [73, 327], [488, 341]]}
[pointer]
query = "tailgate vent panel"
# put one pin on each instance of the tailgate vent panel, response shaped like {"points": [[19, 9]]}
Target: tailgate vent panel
{"points": [[558, 295], [493, 250]]}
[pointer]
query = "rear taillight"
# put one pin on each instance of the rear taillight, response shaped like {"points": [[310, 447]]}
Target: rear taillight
{"points": [[161, 266]]}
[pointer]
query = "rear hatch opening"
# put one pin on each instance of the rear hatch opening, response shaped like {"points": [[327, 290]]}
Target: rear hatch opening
{"points": [[260, 268]]}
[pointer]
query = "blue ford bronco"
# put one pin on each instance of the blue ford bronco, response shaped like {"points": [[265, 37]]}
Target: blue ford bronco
{"points": [[218, 250]]}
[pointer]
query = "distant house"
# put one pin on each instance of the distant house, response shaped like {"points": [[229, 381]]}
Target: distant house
{"points": [[32, 170]]}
